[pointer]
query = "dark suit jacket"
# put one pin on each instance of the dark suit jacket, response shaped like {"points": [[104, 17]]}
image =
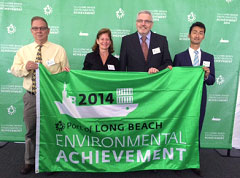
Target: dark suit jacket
{"points": [[184, 59], [132, 58]]}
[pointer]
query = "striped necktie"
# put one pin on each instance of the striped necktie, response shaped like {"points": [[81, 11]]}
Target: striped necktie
{"points": [[144, 47], [196, 59], [37, 60]]}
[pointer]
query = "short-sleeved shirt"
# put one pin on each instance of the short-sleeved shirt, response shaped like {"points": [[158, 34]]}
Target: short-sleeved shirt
{"points": [[54, 58]]}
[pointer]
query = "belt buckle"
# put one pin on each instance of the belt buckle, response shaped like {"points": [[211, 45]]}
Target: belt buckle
{"points": [[31, 93]]}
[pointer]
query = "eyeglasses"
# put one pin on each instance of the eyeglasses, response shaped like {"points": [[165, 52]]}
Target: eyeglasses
{"points": [[39, 28], [145, 21]]}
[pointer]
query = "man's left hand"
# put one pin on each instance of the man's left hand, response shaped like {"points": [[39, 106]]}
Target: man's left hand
{"points": [[170, 67], [66, 69], [207, 72]]}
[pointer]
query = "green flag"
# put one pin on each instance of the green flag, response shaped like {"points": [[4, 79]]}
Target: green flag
{"points": [[95, 121]]}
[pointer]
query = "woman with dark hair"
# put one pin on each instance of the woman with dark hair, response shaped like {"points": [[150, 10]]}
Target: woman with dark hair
{"points": [[101, 58]]}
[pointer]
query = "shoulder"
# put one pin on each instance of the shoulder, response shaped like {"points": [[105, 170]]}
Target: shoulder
{"points": [[113, 57], [182, 53], [206, 54], [54, 46], [131, 36], [158, 36], [48, 43], [28, 47], [91, 54], [180, 56]]}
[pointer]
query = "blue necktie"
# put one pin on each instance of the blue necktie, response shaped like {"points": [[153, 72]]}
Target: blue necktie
{"points": [[196, 59]]}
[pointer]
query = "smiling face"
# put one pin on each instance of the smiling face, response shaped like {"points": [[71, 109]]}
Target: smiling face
{"points": [[144, 23], [40, 31], [197, 35], [104, 41]]}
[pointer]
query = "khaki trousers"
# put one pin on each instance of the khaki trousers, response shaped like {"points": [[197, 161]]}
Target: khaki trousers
{"points": [[29, 116]]}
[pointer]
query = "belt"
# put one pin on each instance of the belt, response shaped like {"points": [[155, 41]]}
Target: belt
{"points": [[31, 93]]}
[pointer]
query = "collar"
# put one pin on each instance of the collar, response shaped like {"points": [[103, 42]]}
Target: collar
{"points": [[192, 50], [148, 35], [46, 44]]}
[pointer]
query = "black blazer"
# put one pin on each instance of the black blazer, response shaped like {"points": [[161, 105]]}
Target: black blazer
{"points": [[184, 59], [132, 58], [93, 61]]}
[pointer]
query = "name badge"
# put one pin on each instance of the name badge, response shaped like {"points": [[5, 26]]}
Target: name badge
{"points": [[206, 63], [111, 67], [156, 50], [50, 62]]}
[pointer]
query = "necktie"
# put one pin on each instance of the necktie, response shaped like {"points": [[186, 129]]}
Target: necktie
{"points": [[196, 59], [144, 47], [37, 60]]}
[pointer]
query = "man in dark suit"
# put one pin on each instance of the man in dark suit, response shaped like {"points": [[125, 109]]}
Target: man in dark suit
{"points": [[194, 56], [144, 51]]}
